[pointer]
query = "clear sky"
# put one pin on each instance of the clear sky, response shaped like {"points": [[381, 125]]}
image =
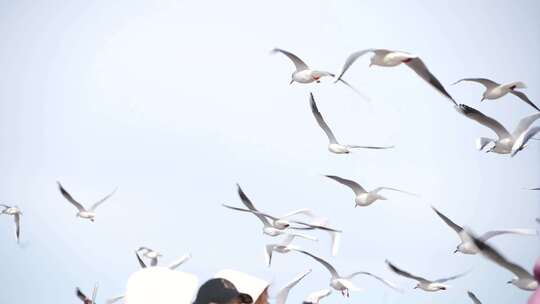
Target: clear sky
{"points": [[174, 102]]}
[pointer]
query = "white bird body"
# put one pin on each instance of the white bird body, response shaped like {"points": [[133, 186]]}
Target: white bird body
{"points": [[16, 213], [431, 286], [315, 297], [363, 197], [338, 149], [390, 59], [84, 213], [507, 143], [309, 76], [467, 246]]}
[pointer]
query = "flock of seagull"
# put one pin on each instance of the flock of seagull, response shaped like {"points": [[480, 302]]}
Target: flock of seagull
{"points": [[290, 226]]}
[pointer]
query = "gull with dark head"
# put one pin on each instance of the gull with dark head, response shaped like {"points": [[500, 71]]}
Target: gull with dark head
{"points": [[468, 247], [333, 145], [388, 58], [283, 294], [522, 278], [507, 143], [16, 213], [344, 283], [424, 284], [362, 196], [83, 213], [495, 90]]}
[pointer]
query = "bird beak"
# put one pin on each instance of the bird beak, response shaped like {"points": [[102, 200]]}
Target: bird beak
{"points": [[509, 282], [292, 80]]}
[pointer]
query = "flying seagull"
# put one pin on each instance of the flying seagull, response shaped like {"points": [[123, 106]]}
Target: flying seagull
{"points": [[344, 283], [16, 212], [424, 284], [333, 145], [83, 213], [496, 91], [315, 297], [150, 254], [522, 278], [284, 247], [281, 297], [171, 266], [388, 58], [473, 297], [506, 141], [468, 247], [362, 197], [84, 298], [303, 74]]}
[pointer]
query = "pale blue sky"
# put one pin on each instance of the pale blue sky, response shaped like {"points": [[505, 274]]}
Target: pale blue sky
{"points": [[173, 102]]}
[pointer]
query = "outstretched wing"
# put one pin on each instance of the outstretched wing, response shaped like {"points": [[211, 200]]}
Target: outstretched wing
{"points": [[17, 218], [489, 84], [141, 262], [327, 265], [473, 297], [525, 124], [451, 278], [298, 63], [486, 236], [247, 202], [403, 273], [484, 120], [80, 294], [350, 60], [448, 221], [320, 120], [349, 183], [417, 65], [282, 295], [94, 206], [523, 139], [70, 199], [394, 189], [385, 282], [179, 262], [524, 97]]}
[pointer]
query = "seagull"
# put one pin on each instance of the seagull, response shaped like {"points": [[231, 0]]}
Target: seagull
{"points": [[281, 297], [171, 266], [315, 297], [333, 145], [522, 140], [424, 284], [388, 58], [522, 278], [84, 298], [303, 74], [505, 142], [496, 91], [83, 213], [284, 247], [468, 247], [344, 283], [364, 198], [150, 254], [473, 297], [16, 212]]}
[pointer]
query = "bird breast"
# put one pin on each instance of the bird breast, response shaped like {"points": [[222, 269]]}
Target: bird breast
{"points": [[304, 76], [391, 59], [495, 92], [338, 149]]}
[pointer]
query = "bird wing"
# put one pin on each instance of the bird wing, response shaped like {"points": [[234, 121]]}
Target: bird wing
{"points": [[385, 282], [394, 189], [179, 262], [94, 293], [80, 294], [494, 256], [94, 206], [350, 60], [336, 240], [268, 251], [282, 295], [320, 120], [524, 124], [141, 262], [315, 297], [489, 84], [362, 95], [327, 265], [304, 236], [524, 97], [298, 63], [349, 183], [257, 213], [417, 65], [484, 120], [115, 299], [70, 199], [247, 202], [473, 297], [297, 212], [523, 139], [451, 278], [486, 236], [404, 273], [448, 221], [314, 226], [17, 218], [369, 147]]}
